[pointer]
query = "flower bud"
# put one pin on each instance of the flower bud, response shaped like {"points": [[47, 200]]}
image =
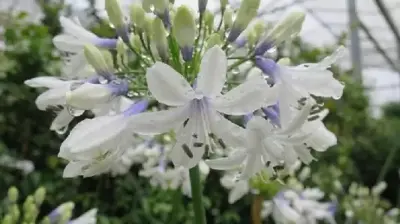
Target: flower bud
{"points": [[379, 188], [185, 31], [228, 21], [65, 216], [160, 39], [223, 4], [14, 212], [146, 4], [137, 15], [162, 11], [88, 95], [148, 23], [13, 195], [209, 20], [95, 58], [114, 12], [284, 62], [135, 41], [202, 5], [28, 201], [304, 174], [213, 40], [39, 195], [108, 58], [247, 11], [46, 220], [283, 31]]}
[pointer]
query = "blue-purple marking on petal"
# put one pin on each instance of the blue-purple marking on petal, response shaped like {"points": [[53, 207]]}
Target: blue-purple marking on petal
{"points": [[136, 108], [123, 32], [268, 67], [54, 215], [187, 53], [105, 43], [272, 115], [332, 208], [262, 48], [162, 162], [202, 5], [241, 42], [234, 34], [247, 118], [118, 87]]}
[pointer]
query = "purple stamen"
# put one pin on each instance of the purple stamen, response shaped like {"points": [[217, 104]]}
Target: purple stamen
{"points": [[136, 108]]}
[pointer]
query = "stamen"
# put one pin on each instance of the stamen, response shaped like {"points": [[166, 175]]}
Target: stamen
{"points": [[222, 143], [198, 144], [268, 163], [313, 118], [185, 122], [207, 148], [195, 136], [186, 149]]}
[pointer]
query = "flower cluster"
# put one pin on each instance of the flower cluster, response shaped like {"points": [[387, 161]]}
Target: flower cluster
{"points": [[29, 211], [176, 78]]}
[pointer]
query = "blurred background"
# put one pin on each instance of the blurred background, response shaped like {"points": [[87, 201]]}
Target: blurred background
{"points": [[366, 120]]}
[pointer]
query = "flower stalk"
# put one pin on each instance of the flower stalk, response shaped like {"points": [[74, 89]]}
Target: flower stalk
{"points": [[197, 196]]}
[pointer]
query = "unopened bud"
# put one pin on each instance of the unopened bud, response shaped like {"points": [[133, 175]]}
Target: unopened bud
{"points": [[184, 27], [7, 219], [137, 15], [160, 39], [223, 4], [228, 18], [114, 12], [213, 40], [135, 41], [39, 195], [247, 11], [379, 188], [209, 20], [95, 58], [202, 5], [13, 195]]}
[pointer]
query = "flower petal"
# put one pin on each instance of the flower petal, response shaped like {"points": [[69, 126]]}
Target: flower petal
{"points": [[51, 97], [298, 120], [68, 43], [247, 97], [168, 86], [241, 189], [304, 154], [150, 123], [61, 122], [254, 165], [77, 66], [212, 75], [75, 29], [227, 163], [45, 81], [320, 137], [233, 135]]}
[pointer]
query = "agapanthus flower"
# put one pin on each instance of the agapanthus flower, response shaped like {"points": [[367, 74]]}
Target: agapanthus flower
{"points": [[289, 206], [196, 116]]}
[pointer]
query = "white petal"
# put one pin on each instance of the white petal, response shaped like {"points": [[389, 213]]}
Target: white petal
{"points": [[247, 97], [168, 86], [73, 169], [51, 97], [45, 81], [61, 122], [298, 120], [88, 96], [88, 217], [150, 123], [316, 82], [212, 75], [76, 66], [254, 165], [185, 153], [68, 43], [241, 189], [320, 138], [204, 168], [93, 137], [74, 29], [304, 154], [233, 135], [227, 163]]}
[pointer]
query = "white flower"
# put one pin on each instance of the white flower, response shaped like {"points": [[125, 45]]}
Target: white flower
{"points": [[88, 217], [268, 146], [302, 80], [291, 207], [237, 188], [196, 119], [172, 178], [94, 144], [72, 40]]}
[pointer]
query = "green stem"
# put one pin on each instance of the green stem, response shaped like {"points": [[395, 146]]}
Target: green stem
{"points": [[199, 211], [236, 64], [387, 165]]}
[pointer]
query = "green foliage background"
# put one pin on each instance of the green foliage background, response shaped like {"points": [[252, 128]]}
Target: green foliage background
{"points": [[365, 144]]}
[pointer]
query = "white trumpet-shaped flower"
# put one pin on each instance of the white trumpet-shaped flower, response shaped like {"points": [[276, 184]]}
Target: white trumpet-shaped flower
{"points": [[72, 40], [94, 144], [268, 146], [302, 80], [196, 117]]}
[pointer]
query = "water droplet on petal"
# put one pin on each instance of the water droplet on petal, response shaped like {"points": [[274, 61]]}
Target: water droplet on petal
{"points": [[61, 130], [74, 111]]}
